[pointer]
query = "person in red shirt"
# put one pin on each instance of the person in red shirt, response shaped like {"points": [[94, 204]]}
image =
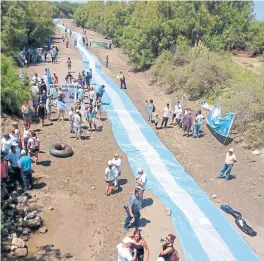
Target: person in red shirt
{"points": [[122, 81], [55, 78]]}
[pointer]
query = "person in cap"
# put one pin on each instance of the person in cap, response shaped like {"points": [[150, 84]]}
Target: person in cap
{"points": [[117, 162], [141, 181], [13, 158], [25, 165], [230, 160], [124, 252], [6, 143], [133, 209], [110, 173]]}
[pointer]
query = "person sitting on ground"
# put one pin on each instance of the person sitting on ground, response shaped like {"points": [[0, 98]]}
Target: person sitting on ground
{"points": [[100, 92], [167, 251], [110, 173], [41, 113], [141, 246], [166, 115], [141, 181], [230, 160], [187, 123], [25, 165], [123, 250], [69, 63], [117, 162], [77, 123], [33, 146], [133, 209]]}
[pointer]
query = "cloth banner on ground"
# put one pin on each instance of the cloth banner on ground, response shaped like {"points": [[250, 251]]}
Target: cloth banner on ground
{"points": [[119, 76], [219, 124], [69, 92], [206, 106], [99, 44], [63, 106]]}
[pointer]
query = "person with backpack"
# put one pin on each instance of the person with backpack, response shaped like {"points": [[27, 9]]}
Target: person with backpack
{"points": [[33, 146], [167, 251], [151, 109]]}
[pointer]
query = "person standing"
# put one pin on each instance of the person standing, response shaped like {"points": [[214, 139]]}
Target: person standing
{"points": [[25, 165], [33, 146], [187, 123], [80, 93], [230, 160], [13, 157], [42, 87], [17, 133], [44, 98], [141, 246], [124, 252], [6, 143], [110, 173], [41, 113], [49, 107], [141, 181], [55, 78], [91, 117], [178, 115], [61, 108], [69, 64], [122, 81], [151, 109], [36, 79], [167, 251], [91, 95], [99, 108], [100, 92], [26, 113], [77, 123], [35, 96], [71, 114], [176, 108], [117, 162], [198, 123], [106, 61], [166, 115], [133, 209]]}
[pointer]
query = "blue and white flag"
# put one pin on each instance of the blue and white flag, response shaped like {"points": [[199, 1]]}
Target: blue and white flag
{"points": [[219, 124]]}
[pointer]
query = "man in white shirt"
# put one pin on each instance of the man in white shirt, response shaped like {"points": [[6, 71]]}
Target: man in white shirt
{"points": [[141, 181], [77, 124], [198, 123], [166, 115], [36, 79], [176, 108], [123, 250], [117, 162]]}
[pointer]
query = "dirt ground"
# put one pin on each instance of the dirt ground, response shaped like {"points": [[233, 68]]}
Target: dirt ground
{"points": [[84, 224], [252, 64], [202, 158]]}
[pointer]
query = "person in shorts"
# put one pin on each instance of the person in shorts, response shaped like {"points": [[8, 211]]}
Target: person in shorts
{"points": [[91, 117], [110, 177], [26, 113], [33, 146]]}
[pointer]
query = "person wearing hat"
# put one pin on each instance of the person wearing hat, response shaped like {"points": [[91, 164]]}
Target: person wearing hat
{"points": [[141, 181], [133, 209], [110, 173], [230, 160], [124, 252], [25, 165], [117, 162], [13, 158], [6, 143]]}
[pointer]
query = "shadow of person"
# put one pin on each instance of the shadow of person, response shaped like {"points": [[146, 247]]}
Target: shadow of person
{"points": [[45, 163], [40, 185], [143, 222], [117, 190], [122, 182], [147, 202]]}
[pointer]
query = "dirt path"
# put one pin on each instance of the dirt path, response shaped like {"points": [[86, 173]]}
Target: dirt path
{"points": [[85, 225], [203, 158], [252, 64]]}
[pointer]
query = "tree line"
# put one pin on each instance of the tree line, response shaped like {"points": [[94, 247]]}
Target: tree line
{"points": [[145, 29]]}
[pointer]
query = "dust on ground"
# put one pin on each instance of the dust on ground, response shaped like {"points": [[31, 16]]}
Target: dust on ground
{"points": [[202, 158], [84, 224]]}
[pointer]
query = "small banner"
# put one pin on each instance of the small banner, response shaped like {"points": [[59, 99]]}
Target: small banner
{"points": [[119, 76], [99, 44], [69, 91]]}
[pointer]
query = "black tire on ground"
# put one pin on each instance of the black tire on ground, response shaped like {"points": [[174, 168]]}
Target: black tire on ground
{"points": [[60, 150]]}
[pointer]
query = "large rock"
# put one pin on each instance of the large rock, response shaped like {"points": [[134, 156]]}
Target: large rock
{"points": [[33, 223], [26, 231], [22, 200], [21, 252], [18, 242], [31, 215], [43, 230], [256, 152]]}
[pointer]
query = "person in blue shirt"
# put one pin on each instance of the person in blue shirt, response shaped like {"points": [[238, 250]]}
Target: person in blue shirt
{"points": [[25, 165], [44, 97], [151, 109], [80, 94], [100, 91]]}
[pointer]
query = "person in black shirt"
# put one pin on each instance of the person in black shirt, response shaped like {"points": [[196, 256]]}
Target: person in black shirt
{"points": [[41, 113], [42, 87]]}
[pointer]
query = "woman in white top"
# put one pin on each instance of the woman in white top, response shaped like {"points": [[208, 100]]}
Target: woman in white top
{"points": [[6, 143], [109, 177], [26, 137]]}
